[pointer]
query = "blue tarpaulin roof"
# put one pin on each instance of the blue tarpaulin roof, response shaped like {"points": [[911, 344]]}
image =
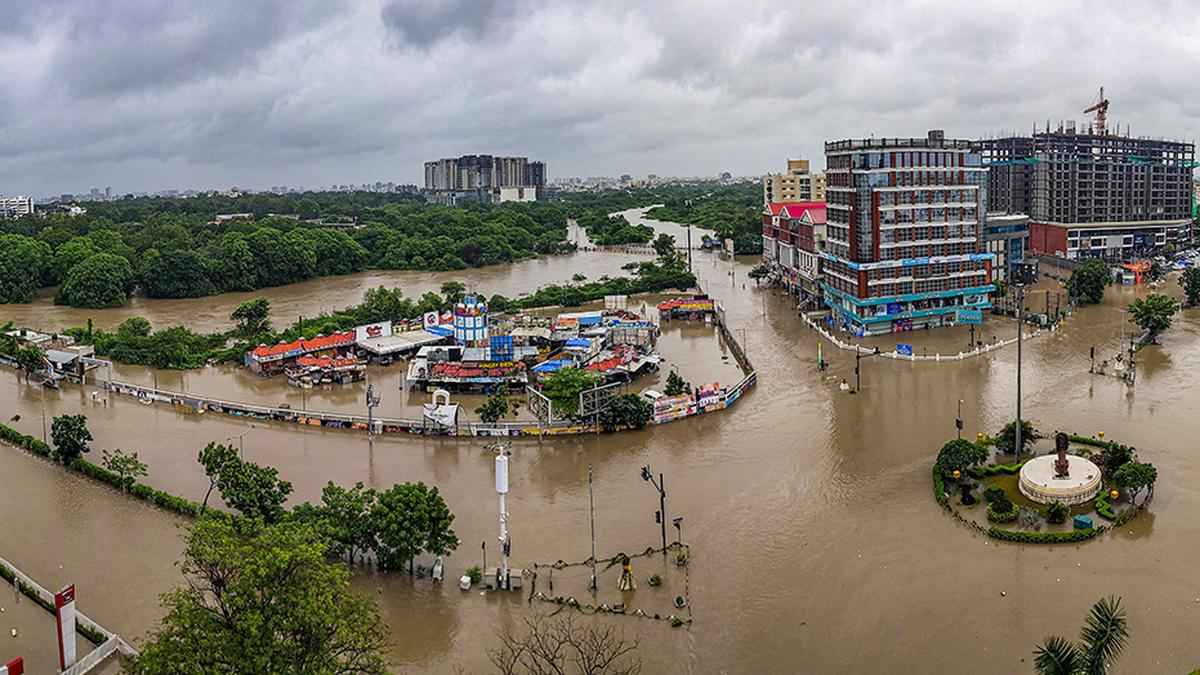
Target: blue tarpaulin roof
{"points": [[440, 331], [579, 342], [551, 366]]}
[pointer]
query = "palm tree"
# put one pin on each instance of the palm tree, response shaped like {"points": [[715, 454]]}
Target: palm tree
{"points": [[1101, 640]]}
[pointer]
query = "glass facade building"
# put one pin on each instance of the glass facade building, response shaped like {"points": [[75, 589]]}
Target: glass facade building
{"points": [[905, 245]]}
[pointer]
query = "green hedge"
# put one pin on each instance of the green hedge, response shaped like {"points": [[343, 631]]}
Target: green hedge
{"points": [[939, 488], [1044, 537], [163, 500], [978, 472], [10, 435], [1104, 508]]}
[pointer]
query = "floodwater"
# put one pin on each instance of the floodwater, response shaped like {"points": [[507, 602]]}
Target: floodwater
{"points": [[816, 544]]}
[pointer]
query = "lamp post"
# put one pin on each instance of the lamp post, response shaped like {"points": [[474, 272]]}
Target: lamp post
{"points": [[677, 521], [592, 514], [958, 421], [373, 399], [239, 438], [661, 515]]}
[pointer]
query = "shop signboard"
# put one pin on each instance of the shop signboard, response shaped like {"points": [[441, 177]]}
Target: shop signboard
{"points": [[373, 330], [970, 317]]}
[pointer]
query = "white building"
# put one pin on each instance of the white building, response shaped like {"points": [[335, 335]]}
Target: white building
{"points": [[15, 207], [516, 194]]}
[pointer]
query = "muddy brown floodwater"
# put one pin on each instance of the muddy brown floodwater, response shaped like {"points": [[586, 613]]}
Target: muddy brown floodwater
{"points": [[817, 546]]}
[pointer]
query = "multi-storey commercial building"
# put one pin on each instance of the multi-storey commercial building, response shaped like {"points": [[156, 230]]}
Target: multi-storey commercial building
{"points": [[480, 177], [818, 187], [904, 243], [794, 186], [1093, 194], [15, 207], [793, 238], [1006, 235]]}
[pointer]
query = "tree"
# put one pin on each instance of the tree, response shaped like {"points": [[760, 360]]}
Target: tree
{"points": [[453, 291], [254, 491], [1101, 641], [252, 317], [664, 246], [1007, 440], [1190, 282], [31, 359], [215, 457], [960, 455], [24, 265], [563, 389], [1153, 314], [71, 437], [1114, 457], [1087, 283], [408, 519], [126, 465], [400, 521], [630, 411], [259, 600], [676, 385], [494, 409], [175, 274], [102, 280], [760, 272], [561, 646], [1135, 477], [348, 513]]}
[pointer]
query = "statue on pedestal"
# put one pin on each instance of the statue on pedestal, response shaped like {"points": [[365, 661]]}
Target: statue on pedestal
{"points": [[1061, 465]]}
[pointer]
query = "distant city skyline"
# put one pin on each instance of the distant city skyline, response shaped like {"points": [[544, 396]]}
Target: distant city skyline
{"points": [[312, 93]]}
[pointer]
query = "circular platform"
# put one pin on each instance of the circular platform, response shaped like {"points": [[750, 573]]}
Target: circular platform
{"points": [[1039, 484]]}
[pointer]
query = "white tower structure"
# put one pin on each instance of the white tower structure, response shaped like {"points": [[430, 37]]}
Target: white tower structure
{"points": [[502, 455]]}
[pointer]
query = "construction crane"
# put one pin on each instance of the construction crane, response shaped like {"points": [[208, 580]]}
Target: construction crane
{"points": [[1100, 107]]}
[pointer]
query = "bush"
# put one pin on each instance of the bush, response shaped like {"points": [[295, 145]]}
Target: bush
{"points": [[1030, 519], [993, 493], [1044, 537], [996, 512], [475, 574], [14, 437], [1057, 513]]}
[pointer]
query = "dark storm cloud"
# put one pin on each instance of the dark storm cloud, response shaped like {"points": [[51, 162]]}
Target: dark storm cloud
{"points": [[425, 22], [143, 94]]}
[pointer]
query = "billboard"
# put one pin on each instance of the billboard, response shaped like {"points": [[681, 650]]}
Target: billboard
{"points": [[373, 330], [969, 316], [429, 319], [64, 613], [904, 349]]}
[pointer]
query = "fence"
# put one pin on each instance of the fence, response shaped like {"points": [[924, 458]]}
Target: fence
{"points": [[960, 356], [110, 643]]}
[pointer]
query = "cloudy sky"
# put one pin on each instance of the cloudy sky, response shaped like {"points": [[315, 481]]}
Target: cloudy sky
{"points": [[156, 94]]}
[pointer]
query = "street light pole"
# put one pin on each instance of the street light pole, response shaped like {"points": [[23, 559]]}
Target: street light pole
{"points": [[958, 421], [1020, 332]]}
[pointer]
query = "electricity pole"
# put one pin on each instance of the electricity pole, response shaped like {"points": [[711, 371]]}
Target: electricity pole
{"points": [[592, 513], [372, 402], [1020, 332]]}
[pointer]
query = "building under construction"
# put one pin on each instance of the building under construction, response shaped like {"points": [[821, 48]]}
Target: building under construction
{"points": [[1093, 192]]}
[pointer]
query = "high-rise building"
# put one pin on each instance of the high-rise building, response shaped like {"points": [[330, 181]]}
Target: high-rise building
{"points": [[15, 207], [794, 186], [1093, 194], [480, 177], [905, 226]]}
